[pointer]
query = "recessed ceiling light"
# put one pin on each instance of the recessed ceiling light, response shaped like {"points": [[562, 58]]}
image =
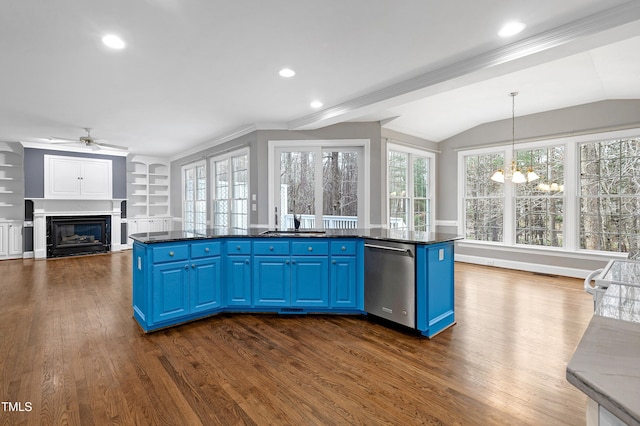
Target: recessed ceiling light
{"points": [[287, 72], [511, 28], [113, 41], [316, 104]]}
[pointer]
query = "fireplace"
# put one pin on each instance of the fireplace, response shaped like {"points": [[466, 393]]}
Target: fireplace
{"points": [[75, 235]]}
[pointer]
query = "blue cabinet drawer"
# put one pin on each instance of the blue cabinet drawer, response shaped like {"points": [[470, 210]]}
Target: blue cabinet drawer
{"points": [[206, 249], [343, 247], [271, 247], [170, 253], [310, 247], [238, 247]]}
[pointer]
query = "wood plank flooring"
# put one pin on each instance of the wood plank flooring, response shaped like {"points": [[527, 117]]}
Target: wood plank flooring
{"points": [[70, 347]]}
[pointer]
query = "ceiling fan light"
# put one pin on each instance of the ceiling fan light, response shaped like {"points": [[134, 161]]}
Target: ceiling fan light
{"points": [[498, 176]]}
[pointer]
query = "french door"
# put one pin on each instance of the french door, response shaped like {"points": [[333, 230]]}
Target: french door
{"points": [[318, 185], [194, 197]]}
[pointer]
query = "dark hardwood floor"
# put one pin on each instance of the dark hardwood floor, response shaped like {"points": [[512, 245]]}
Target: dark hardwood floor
{"points": [[70, 347]]}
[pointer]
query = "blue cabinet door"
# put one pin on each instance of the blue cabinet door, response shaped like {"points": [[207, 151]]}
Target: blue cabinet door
{"points": [[440, 297], [238, 289], [271, 281], [343, 282], [204, 284], [310, 281], [435, 295], [170, 291]]}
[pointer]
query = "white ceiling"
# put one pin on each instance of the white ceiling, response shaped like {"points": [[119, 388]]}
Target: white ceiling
{"points": [[196, 72]]}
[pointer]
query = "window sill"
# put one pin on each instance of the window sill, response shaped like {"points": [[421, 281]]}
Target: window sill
{"points": [[551, 251]]}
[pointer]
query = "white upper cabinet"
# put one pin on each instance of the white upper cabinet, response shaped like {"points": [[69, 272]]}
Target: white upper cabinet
{"points": [[77, 178]]}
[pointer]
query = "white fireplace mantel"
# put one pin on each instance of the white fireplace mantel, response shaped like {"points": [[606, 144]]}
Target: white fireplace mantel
{"points": [[56, 207]]}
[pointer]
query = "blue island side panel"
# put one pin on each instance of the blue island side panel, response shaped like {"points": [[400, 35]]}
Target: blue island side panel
{"points": [[435, 294]]}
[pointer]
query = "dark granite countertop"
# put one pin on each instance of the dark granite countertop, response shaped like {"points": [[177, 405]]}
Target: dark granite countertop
{"points": [[414, 237]]}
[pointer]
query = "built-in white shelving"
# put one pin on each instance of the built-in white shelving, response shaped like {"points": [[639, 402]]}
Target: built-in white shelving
{"points": [[12, 202], [147, 187], [147, 195], [11, 182]]}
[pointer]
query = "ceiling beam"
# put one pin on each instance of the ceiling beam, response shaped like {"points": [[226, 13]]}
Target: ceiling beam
{"points": [[414, 88]]}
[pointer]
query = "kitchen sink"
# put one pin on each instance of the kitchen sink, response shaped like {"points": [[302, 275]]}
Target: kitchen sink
{"points": [[294, 233]]}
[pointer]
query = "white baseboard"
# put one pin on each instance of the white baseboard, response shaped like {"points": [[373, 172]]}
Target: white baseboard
{"points": [[524, 266], [447, 223], [27, 255]]}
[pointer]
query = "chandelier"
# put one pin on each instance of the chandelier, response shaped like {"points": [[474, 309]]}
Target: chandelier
{"points": [[513, 173]]}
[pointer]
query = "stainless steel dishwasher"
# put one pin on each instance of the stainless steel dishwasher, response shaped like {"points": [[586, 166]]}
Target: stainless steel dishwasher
{"points": [[390, 281]]}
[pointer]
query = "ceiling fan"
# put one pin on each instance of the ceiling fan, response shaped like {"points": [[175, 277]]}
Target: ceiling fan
{"points": [[88, 140]]}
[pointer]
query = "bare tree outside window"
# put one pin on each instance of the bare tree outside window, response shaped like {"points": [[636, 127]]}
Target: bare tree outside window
{"points": [[483, 198], [340, 185], [540, 203], [610, 195], [319, 187]]}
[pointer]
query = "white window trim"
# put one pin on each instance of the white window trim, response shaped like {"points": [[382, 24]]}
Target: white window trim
{"points": [[364, 183], [432, 180], [571, 196], [212, 197], [191, 166]]}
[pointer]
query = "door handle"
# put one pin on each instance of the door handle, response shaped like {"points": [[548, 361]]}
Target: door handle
{"points": [[401, 250]]}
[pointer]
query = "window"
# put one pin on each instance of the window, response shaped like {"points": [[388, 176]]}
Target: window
{"points": [[410, 181], [319, 183], [230, 198], [194, 202], [540, 203], [610, 195], [587, 196], [483, 198]]}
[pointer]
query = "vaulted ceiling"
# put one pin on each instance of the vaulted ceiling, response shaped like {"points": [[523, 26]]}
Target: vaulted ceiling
{"points": [[197, 72]]}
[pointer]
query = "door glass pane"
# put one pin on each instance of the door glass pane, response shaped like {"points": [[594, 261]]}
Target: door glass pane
{"points": [[420, 214], [240, 202], [340, 189], [420, 177], [398, 186], [297, 188], [221, 180], [201, 200], [189, 192], [398, 213]]}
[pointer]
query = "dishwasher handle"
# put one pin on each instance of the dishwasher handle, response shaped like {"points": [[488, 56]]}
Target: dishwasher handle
{"points": [[401, 250]]}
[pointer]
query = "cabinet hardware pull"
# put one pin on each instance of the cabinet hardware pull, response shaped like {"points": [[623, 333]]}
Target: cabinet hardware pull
{"points": [[286, 262], [310, 248], [246, 261], [333, 261], [237, 247], [186, 266], [343, 248], [171, 253], [293, 262], [271, 248], [193, 265], [206, 250]]}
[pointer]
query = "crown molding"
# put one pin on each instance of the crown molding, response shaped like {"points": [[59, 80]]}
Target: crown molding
{"points": [[560, 36], [234, 134], [81, 149]]}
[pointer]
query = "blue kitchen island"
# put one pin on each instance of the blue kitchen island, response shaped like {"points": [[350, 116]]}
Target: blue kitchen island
{"points": [[183, 276]]}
